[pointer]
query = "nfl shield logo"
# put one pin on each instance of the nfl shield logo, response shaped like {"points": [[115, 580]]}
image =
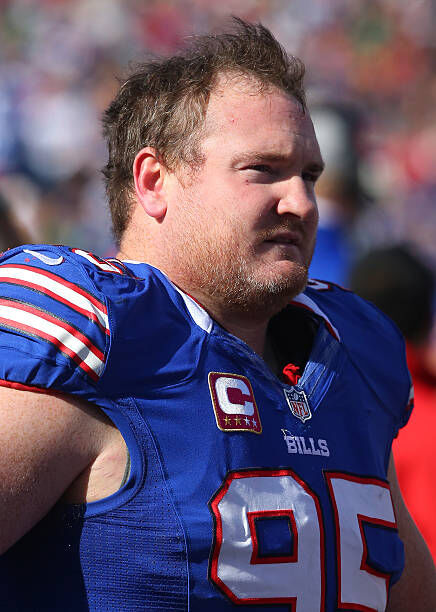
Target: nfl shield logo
{"points": [[297, 402]]}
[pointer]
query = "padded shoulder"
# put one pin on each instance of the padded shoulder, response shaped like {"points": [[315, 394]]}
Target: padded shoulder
{"points": [[373, 342], [157, 337], [73, 322], [54, 328]]}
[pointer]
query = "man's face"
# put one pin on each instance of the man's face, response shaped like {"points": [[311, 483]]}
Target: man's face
{"points": [[245, 221]]}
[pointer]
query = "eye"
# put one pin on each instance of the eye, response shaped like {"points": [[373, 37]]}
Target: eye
{"points": [[310, 177], [312, 172], [263, 168]]}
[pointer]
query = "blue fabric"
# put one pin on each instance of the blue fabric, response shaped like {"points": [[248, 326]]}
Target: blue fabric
{"points": [[275, 537], [159, 543]]}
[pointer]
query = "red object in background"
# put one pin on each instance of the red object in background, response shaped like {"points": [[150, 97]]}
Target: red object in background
{"points": [[414, 452]]}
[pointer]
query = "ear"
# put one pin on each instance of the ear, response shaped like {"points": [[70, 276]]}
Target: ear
{"points": [[148, 175]]}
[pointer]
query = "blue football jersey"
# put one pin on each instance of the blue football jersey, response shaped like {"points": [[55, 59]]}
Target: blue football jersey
{"points": [[244, 491]]}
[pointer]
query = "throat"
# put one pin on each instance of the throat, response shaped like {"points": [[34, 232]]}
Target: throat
{"points": [[290, 338]]}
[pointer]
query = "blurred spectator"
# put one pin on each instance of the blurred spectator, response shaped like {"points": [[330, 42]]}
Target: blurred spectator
{"points": [[12, 233], [339, 193], [398, 283]]}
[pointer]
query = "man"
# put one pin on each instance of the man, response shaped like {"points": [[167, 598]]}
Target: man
{"points": [[195, 433]]}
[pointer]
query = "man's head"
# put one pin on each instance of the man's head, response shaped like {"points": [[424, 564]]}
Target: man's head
{"points": [[217, 158], [163, 103]]}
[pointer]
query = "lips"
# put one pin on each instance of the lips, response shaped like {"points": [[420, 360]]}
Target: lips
{"points": [[289, 238]]}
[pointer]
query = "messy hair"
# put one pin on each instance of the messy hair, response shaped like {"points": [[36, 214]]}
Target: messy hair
{"points": [[163, 103]]}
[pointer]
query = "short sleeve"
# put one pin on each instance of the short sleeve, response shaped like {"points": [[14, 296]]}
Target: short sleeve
{"points": [[374, 344], [405, 415], [54, 329]]}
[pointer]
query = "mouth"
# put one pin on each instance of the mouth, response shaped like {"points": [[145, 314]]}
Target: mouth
{"points": [[285, 239]]}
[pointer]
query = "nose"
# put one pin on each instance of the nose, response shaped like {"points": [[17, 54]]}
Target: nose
{"points": [[298, 198]]}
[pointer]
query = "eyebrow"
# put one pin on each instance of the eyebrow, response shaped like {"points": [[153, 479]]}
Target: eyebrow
{"points": [[256, 156]]}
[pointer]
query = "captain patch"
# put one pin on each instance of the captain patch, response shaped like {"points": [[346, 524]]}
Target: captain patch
{"points": [[233, 403]]}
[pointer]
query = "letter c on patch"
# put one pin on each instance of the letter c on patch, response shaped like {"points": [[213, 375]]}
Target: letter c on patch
{"points": [[234, 396]]}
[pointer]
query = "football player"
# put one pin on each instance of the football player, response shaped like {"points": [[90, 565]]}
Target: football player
{"points": [[193, 425]]}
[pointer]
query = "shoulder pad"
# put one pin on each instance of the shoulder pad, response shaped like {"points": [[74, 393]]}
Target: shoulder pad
{"points": [[51, 311], [371, 339]]}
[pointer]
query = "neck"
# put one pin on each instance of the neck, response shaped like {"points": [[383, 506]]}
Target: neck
{"points": [[248, 325], [252, 332]]}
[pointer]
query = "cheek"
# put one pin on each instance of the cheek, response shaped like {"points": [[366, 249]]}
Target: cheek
{"points": [[256, 204], [312, 239], [311, 231], [313, 217]]}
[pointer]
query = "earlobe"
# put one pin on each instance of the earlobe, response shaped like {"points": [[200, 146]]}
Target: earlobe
{"points": [[148, 174]]}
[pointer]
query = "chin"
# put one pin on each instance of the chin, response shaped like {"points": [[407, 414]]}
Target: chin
{"points": [[286, 276], [270, 292]]}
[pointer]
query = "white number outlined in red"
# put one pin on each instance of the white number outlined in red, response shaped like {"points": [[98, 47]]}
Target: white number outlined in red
{"points": [[373, 498], [247, 577], [247, 492]]}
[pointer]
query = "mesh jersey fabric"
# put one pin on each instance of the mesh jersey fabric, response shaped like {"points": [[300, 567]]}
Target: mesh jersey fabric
{"points": [[121, 336]]}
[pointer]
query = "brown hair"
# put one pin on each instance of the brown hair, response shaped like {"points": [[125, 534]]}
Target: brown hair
{"points": [[163, 102]]}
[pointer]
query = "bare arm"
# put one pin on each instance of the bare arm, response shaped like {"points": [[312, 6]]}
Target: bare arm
{"points": [[416, 589], [46, 441]]}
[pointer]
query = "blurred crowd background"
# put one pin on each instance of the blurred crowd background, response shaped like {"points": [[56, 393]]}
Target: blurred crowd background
{"points": [[371, 83]]}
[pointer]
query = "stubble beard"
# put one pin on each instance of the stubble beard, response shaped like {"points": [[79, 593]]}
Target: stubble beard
{"points": [[220, 268], [241, 290]]}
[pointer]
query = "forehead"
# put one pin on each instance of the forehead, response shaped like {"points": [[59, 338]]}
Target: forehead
{"points": [[243, 114]]}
